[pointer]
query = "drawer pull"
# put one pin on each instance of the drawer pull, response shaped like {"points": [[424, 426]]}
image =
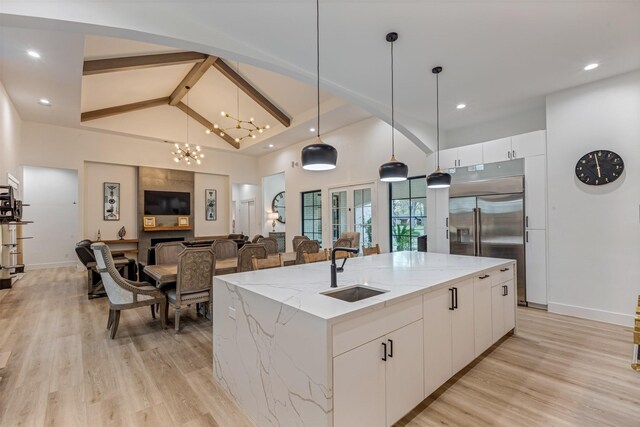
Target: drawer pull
{"points": [[384, 351], [504, 269], [483, 277]]}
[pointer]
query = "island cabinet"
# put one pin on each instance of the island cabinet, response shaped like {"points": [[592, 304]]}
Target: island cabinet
{"points": [[378, 382], [503, 313], [448, 332]]}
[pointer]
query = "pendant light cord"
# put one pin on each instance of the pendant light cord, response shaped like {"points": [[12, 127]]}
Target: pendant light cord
{"points": [[438, 120], [393, 126], [318, 61], [188, 115]]}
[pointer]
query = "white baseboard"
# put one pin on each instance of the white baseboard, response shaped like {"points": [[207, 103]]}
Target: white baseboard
{"points": [[591, 314], [50, 265]]}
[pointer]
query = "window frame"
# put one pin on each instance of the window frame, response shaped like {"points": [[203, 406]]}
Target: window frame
{"points": [[314, 219], [410, 198]]}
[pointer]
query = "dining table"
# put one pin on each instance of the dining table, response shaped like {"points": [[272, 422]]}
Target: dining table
{"points": [[167, 273]]}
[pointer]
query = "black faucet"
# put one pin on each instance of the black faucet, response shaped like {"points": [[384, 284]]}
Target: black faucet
{"points": [[334, 269]]}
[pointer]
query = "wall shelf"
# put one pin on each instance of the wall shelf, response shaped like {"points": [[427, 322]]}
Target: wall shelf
{"points": [[168, 228], [116, 241]]}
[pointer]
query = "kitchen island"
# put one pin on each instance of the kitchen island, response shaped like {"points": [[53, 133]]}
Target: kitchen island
{"points": [[290, 353]]}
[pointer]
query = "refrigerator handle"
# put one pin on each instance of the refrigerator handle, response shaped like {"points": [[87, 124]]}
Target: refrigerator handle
{"points": [[478, 230]]}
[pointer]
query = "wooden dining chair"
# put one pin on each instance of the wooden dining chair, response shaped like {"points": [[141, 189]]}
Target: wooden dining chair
{"points": [[270, 243], [308, 246], [225, 249], [343, 242], [297, 239], [374, 250], [194, 281], [167, 253], [247, 253], [265, 263], [317, 257]]}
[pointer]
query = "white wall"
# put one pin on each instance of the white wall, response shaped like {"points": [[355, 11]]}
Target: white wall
{"points": [[63, 147], [594, 232], [271, 185], [521, 122], [52, 194], [10, 134], [362, 148], [222, 225], [95, 175]]}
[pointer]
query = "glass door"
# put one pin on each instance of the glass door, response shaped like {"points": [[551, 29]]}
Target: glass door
{"points": [[353, 209]]}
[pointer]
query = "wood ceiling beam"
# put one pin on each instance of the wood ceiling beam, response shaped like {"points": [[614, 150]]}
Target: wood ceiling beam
{"points": [[112, 111], [98, 66], [191, 79], [253, 93], [207, 124]]}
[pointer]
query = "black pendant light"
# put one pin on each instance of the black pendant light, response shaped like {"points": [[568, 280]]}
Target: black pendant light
{"points": [[319, 156], [393, 170], [438, 179]]}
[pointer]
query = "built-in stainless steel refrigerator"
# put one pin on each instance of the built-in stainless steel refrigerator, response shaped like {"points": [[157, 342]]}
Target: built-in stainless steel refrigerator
{"points": [[486, 218]]}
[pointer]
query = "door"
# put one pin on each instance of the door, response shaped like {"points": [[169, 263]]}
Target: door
{"points": [[353, 209], [498, 150], [509, 307], [437, 338], [470, 155], [448, 158], [247, 214], [501, 231], [497, 312], [462, 328], [405, 375], [462, 231], [359, 385], [482, 314], [529, 144]]}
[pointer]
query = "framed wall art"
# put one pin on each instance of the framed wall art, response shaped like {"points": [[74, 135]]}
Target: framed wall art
{"points": [[149, 221], [183, 221], [111, 191], [210, 205]]}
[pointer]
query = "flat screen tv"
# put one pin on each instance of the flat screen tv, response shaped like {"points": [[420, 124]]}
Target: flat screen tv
{"points": [[167, 203]]}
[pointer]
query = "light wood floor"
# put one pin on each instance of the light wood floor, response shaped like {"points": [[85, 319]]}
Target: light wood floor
{"points": [[63, 370]]}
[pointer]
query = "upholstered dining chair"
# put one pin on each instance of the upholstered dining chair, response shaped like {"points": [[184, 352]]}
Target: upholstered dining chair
{"points": [[317, 257], [225, 249], [247, 252], [308, 246], [354, 236], [344, 242], [124, 294], [269, 262], [194, 282], [374, 250], [256, 238], [297, 240], [167, 253], [270, 243]]}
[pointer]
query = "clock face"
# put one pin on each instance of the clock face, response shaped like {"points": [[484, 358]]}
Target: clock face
{"points": [[278, 206], [599, 167]]}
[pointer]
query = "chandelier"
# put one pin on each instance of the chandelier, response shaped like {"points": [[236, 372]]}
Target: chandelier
{"points": [[187, 153], [243, 128]]}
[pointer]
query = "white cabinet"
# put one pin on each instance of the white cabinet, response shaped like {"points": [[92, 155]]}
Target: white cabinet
{"points": [[498, 150], [535, 192], [467, 155], [503, 314], [379, 382], [482, 313], [529, 144], [438, 220], [448, 333], [535, 254]]}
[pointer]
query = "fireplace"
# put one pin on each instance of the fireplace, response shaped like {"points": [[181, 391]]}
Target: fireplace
{"points": [[157, 240]]}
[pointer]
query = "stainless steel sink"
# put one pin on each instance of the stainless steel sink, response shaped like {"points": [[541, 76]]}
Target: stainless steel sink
{"points": [[354, 293]]}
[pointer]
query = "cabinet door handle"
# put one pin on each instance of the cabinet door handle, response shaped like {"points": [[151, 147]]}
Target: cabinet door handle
{"points": [[509, 155], [451, 307], [455, 294], [506, 290], [384, 351], [504, 269], [446, 222], [514, 154], [526, 236], [483, 277], [526, 221], [390, 348], [446, 234]]}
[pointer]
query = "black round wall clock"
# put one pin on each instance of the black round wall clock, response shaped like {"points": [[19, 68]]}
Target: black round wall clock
{"points": [[599, 167], [277, 205]]}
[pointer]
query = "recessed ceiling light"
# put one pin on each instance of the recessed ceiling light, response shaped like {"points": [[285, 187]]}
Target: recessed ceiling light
{"points": [[44, 101], [312, 129], [591, 67], [33, 54], [270, 145], [461, 106]]}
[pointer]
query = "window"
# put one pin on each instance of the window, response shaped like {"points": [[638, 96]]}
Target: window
{"points": [[408, 213], [312, 215]]}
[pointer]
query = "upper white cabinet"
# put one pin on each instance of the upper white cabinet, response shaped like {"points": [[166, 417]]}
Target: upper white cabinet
{"points": [[535, 188], [462, 156], [529, 144], [498, 150]]}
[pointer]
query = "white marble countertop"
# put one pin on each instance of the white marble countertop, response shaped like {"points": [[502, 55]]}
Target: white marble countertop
{"points": [[402, 274]]}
